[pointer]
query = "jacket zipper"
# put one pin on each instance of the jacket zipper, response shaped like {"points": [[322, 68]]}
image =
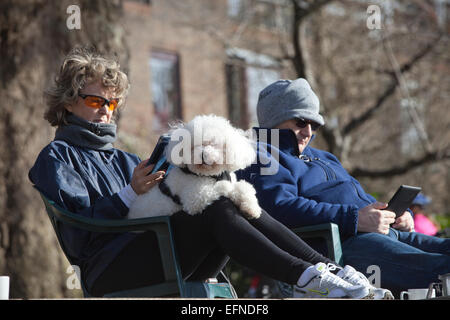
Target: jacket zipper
{"points": [[330, 171], [111, 173], [330, 175]]}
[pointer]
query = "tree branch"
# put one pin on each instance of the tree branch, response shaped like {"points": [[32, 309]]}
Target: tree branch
{"points": [[389, 90], [402, 169], [358, 121]]}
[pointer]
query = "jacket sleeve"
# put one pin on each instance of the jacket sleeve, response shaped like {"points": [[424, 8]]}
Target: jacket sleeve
{"points": [[58, 180], [278, 195]]}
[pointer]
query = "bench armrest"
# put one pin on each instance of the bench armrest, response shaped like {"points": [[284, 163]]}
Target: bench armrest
{"points": [[103, 225], [327, 231]]}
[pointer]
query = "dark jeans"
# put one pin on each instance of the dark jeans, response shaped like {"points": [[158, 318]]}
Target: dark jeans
{"points": [[204, 243], [405, 259]]}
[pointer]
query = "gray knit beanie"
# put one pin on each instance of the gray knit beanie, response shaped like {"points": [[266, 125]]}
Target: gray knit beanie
{"points": [[287, 99]]}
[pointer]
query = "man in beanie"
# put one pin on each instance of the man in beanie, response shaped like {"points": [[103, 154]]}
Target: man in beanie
{"points": [[312, 187]]}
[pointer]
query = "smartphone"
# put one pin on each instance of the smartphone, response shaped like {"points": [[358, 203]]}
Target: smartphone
{"points": [[157, 157], [402, 199]]}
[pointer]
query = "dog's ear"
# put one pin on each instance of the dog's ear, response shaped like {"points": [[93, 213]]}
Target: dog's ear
{"points": [[240, 150]]}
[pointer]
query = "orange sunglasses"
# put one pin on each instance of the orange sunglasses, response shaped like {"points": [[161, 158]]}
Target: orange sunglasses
{"points": [[97, 102]]}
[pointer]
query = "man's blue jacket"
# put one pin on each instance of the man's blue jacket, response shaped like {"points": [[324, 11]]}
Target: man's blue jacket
{"points": [[86, 182], [304, 189]]}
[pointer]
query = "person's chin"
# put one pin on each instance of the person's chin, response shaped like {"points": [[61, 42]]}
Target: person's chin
{"points": [[302, 146], [99, 121]]}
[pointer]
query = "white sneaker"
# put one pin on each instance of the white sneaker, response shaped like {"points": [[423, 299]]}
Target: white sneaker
{"points": [[349, 274], [321, 283]]}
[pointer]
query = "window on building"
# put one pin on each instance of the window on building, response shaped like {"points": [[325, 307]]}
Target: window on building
{"points": [[165, 88], [247, 73]]}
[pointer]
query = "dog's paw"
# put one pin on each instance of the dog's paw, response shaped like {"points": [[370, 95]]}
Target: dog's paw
{"points": [[244, 188], [223, 188], [244, 196], [250, 209]]}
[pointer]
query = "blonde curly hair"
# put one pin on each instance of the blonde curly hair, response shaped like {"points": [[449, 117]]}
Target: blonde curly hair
{"points": [[81, 67]]}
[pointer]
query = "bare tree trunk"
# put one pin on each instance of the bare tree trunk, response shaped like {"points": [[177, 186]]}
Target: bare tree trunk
{"points": [[302, 9], [33, 38]]}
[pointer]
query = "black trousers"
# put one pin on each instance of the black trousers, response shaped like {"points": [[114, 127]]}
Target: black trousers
{"points": [[205, 242]]}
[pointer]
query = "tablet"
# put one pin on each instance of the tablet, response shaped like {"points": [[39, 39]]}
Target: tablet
{"points": [[157, 157], [402, 199]]}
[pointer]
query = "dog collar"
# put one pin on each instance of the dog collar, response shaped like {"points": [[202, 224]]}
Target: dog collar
{"points": [[223, 176]]}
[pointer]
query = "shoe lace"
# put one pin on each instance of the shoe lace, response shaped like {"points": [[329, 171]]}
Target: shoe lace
{"points": [[355, 277], [333, 280], [332, 267], [359, 278]]}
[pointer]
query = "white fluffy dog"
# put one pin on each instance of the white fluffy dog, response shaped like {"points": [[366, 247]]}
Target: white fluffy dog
{"points": [[210, 150]]}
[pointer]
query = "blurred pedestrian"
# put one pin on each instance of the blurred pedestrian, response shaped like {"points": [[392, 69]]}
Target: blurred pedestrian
{"points": [[423, 221]]}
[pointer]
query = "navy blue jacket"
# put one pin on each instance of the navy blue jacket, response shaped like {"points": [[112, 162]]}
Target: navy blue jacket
{"points": [[306, 189], [86, 182]]}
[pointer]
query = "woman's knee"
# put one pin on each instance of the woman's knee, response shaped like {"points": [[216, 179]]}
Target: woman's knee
{"points": [[222, 205]]}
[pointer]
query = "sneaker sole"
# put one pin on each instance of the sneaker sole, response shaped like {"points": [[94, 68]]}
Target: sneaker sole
{"points": [[388, 296], [370, 296]]}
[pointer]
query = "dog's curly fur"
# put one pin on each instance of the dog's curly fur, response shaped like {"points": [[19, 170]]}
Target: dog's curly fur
{"points": [[216, 147]]}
